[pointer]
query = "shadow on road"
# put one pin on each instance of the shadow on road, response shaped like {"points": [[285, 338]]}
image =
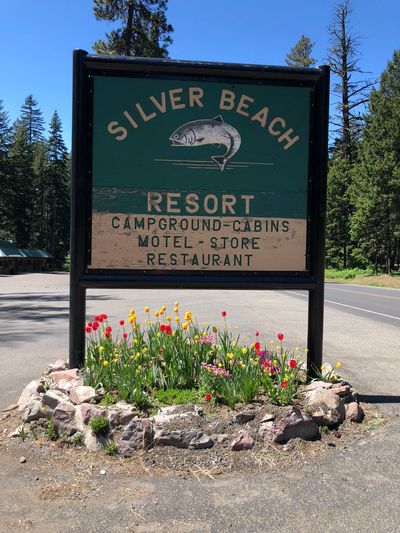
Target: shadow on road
{"points": [[378, 398]]}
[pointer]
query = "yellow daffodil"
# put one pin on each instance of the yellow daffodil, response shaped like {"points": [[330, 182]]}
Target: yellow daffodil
{"points": [[252, 345], [135, 341], [146, 309], [145, 350], [101, 349], [105, 363], [177, 319], [137, 354], [176, 304], [196, 338], [244, 350], [230, 355], [168, 319], [156, 313], [131, 311], [338, 364], [185, 325], [176, 310], [158, 334], [163, 308]]}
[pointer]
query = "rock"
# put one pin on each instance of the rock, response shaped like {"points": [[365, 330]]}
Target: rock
{"points": [[317, 384], [29, 392], [138, 435], [10, 408], [243, 442], [289, 446], [60, 364], [244, 417], [341, 390], [121, 414], [65, 385], [220, 437], [94, 443], [268, 417], [33, 410], [53, 397], [193, 439], [325, 406], [102, 472], [295, 424], [354, 412], [82, 394], [68, 375], [22, 459], [88, 411], [171, 412], [64, 419]]}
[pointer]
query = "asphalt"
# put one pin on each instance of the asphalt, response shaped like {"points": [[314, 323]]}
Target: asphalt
{"points": [[376, 303], [354, 488]]}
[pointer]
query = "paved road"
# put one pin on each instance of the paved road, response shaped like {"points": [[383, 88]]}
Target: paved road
{"points": [[356, 487], [376, 303], [34, 325]]}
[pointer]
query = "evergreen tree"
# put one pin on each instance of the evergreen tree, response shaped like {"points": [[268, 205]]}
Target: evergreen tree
{"points": [[144, 29], [23, 187], [337, 215], [300, 54], [5, 176], [375, 224], [56, 192], [31, 117]]}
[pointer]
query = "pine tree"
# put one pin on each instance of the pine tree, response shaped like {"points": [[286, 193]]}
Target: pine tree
{"points": [[375, 224], [337, 215], [31, 117], [6, 228], [56, 195], [144, 29], [23, 190], [300, 54]]}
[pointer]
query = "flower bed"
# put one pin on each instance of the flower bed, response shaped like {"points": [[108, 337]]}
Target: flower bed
{"points": [[169, 353]]}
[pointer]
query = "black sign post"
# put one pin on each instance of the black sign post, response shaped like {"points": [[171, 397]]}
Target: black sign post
{"points": [[197, 106]]}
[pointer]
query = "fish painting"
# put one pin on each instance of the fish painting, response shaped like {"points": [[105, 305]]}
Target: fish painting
{"points": [[209, 131]]}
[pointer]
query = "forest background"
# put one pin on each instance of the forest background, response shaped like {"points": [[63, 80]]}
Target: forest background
{"points": [[363, 208]]}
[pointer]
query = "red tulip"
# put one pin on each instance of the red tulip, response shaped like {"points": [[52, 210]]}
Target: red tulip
{"points": [[280, 336], [223, 314]]}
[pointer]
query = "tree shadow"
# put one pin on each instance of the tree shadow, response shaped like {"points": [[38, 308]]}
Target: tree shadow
{"points": [[378, 398]]}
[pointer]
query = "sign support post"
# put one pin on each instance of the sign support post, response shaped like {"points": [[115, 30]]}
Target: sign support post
{"points": [[316, 295], [77, 315]]}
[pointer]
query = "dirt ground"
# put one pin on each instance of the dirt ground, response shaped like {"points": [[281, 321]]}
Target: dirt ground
{"points": [[392, 282], [59, 479]]}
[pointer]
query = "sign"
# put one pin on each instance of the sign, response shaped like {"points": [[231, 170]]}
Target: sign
{"points": [[199, 175]]}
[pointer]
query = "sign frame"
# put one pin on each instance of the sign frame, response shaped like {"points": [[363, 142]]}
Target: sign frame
{"points": [[86, 66]]}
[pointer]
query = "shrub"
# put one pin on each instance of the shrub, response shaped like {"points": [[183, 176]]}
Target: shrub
{"points": [[111, 448], [99, 424]]}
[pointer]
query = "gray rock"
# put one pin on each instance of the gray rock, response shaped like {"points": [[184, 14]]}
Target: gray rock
{"points": [[29, 392], [68, 375], [22, 459], [354, 412], [172, 412], [33, 410], [64, 419], [138, 435], [94, 443], [244, 417], [295, 424], [193, 439], [53, 397], [88, 411], [268, 417], [325, 406], [243, 441]]}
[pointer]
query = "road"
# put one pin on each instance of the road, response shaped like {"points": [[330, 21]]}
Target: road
{"points": [[376, 303], [356, 485], [361, 324]]}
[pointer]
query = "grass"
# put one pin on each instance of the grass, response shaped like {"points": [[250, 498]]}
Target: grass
{"points": [[363, 277], [376, 421], [111, 448], [176, 396], [99, 425], [50, 430]]}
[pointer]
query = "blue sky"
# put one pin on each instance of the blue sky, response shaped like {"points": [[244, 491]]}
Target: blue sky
{"points": [[37, 39]]}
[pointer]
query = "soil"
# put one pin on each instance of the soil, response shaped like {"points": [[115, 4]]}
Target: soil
{"points": [[382, 280], [167, 460]]}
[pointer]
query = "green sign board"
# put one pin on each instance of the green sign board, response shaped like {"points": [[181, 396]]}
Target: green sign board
{"points": [[194, 174], [197, 175]]}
